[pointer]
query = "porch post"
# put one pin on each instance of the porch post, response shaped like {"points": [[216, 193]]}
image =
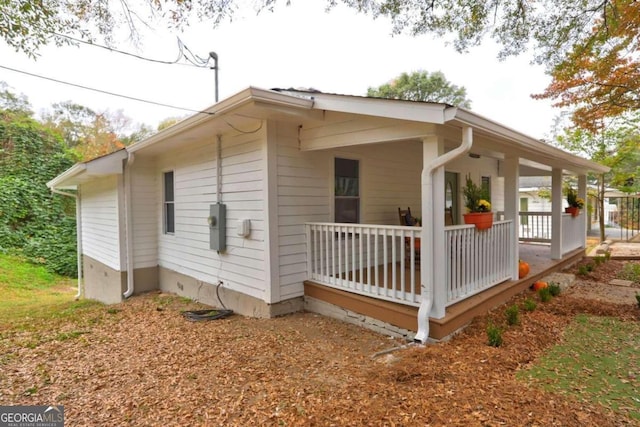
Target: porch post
{"points": [[512, 205], [582, 192], [556, 213], [433, 147]]}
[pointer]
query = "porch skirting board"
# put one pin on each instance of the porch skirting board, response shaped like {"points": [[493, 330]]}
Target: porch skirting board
{"points": [[330, 310], [103, 283], [381, 316], [246, 305]]}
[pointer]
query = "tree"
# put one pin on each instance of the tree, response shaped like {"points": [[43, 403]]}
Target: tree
{"points": [[616, 146], [11, 102], [32, 220], [590, 47], [422, 86], [600, 76], [92, 134]]}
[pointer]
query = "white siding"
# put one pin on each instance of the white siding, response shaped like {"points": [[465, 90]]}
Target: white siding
{"points": [[304, 195], [241, 267], [145, 211], [100, 221]]}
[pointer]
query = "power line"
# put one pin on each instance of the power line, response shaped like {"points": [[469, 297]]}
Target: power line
{"points": [[105, 92], [194, 60]]}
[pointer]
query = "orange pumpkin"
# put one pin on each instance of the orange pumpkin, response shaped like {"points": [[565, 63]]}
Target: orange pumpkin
{"points": [[523, 269], [540, 285]]}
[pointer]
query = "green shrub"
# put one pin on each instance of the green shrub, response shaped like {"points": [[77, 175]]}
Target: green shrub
{"points": [[598, 260], [638, 299], [607, 256], [530, 305], [582, 270], [494, 335], [630, 271], [554, 289], [590, 267], [513, 315], [544, 294]]}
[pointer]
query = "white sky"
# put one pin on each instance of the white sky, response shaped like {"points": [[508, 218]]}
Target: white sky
{"points": [[297, 46]]}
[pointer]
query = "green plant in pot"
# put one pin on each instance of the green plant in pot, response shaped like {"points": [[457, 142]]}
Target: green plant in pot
{"points": [[477, 204], [575, 203]]}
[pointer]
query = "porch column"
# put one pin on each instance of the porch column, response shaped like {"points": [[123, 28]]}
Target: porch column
{"points": [[432, 147], [512, 205], [582, 192], [556, 213]]}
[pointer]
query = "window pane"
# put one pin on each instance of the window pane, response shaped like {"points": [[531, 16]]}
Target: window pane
{"points": [[347, 210], [169, 218], [168, 187]]}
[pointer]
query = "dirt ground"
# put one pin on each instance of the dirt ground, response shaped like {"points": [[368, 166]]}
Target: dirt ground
{"points": [[142, 363]]}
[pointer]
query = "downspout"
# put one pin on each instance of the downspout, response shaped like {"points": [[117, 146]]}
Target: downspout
{"points": [[78, 236], [428, 229], [128, 221]]}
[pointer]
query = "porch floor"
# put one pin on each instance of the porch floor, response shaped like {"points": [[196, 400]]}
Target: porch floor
{"points": [[457, 315]]}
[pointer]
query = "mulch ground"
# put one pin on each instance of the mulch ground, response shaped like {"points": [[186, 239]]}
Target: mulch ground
{"points": [[142, 363]]}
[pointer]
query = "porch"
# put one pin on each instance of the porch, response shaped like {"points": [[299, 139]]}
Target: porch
{"points": [[372, 271]]}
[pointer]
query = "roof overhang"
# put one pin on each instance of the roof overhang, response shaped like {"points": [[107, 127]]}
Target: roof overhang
{"points": [[249, 104], [111, 164]]}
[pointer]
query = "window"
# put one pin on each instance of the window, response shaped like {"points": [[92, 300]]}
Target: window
{"points": [[486, 186], [347, 190], [169, 204]]}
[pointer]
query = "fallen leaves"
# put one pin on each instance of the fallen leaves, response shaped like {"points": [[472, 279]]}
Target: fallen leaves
{"points": [[142, 366]]}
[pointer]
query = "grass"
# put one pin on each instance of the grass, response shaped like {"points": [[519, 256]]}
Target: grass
{"points": [[599, 361], [33, 299]]}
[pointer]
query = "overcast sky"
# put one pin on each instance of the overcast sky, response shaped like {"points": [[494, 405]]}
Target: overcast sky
{"points": [[297, 46]]}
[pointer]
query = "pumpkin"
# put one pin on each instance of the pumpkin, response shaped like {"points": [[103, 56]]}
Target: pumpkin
{"points": [[523, 269], [540, 285]]}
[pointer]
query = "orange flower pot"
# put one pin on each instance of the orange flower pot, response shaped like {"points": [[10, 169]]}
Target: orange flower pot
{"points": [[482, 220]]}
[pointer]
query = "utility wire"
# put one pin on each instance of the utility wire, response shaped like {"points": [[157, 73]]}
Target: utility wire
{"points": [[106, 92], [194, 60]]}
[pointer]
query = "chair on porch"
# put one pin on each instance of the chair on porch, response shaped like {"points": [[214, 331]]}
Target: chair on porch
{"points": [[407, 219]]}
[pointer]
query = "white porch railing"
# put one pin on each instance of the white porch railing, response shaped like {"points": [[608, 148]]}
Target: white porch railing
{"points": [[573, 232], [371, 260], [535, 227], [477, 260], [377, 260]]}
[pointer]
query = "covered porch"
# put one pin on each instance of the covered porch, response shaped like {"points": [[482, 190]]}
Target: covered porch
{"points": [[385, 154], [371, 271]]}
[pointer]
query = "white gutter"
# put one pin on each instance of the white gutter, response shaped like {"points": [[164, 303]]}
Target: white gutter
{"points": [[428, 229], [78, 236], [128, 221]]}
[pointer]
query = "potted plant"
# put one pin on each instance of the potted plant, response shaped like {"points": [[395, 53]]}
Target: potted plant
{"points": [[478, 207], [575, 203]]}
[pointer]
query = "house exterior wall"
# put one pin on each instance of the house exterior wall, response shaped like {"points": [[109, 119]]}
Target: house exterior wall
{"points": [[476, 169], [145, 211], [101, 231], [187, 253]]}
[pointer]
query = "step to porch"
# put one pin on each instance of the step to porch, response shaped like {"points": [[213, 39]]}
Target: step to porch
{"points": [[457, 315]]}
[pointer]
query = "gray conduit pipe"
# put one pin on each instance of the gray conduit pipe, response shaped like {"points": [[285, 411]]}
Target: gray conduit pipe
{"points": [[427, 230], [78, 236]]}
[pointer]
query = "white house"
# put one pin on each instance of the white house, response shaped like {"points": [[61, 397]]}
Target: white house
{"points": [[286, 199]]}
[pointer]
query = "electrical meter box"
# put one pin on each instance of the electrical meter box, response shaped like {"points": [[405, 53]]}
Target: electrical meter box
{"points": [[217, 227]]}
